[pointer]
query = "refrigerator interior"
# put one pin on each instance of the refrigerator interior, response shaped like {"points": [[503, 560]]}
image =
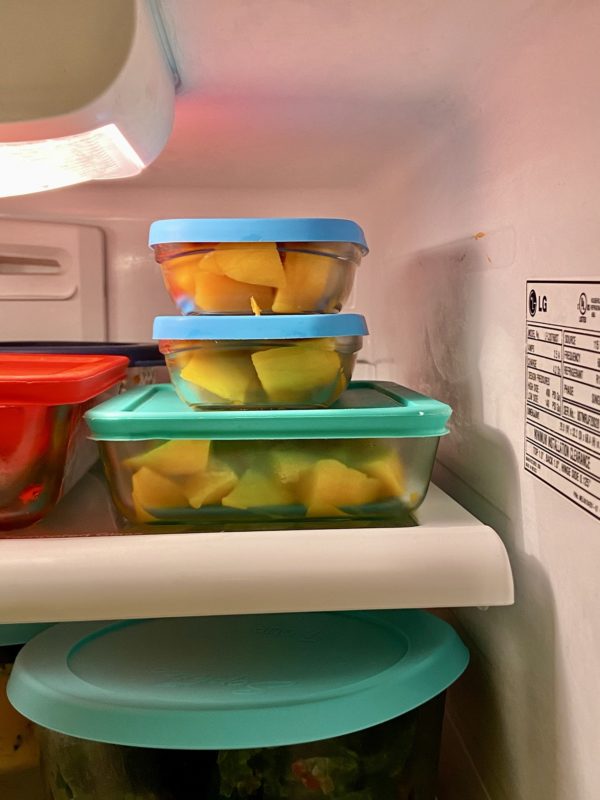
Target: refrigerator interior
{"points": [[463, 137]]}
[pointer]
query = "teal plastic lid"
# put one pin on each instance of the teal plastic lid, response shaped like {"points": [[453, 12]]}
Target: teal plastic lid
{"points": [[22, 632], [366, 409], [234, 682], [243, 327], [257, 229]]}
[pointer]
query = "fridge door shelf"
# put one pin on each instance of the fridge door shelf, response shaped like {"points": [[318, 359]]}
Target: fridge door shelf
{"points": [[446, 559]]}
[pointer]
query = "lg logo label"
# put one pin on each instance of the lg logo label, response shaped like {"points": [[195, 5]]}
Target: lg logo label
{"points": [[537, 303]]}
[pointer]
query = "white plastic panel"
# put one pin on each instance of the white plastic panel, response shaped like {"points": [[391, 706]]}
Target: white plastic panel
{"points": [[51, 281], [448, 559]]}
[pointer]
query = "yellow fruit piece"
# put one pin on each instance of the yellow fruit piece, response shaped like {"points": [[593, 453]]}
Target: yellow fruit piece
{"points": [[211, 486], [195, 262], [389, 470], [176, 458], [289, 464], [324, 343], [308, 279], [152, 490], [324, 510], [294, 374], [18, 747], [255, 489], [256, 309], [228, 374], [252, 262], [223, 294], [141, 514], [332, 483]]}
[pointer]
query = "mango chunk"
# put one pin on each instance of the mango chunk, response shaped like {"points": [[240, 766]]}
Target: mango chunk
{"points": [[176, 458], [141, 514], [226, 374], [332, 483], [219, 293], [389, 470], [255, 489], [250, 262], [290, 463], [211, 486], [308, 283], [153, 490], [294, 374], [324, 510]]}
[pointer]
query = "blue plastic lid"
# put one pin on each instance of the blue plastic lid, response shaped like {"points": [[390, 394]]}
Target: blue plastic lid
{"points": [[366, 409], [234, 682], [280, 326], [259, 229], [21, 632], [139, 355]]}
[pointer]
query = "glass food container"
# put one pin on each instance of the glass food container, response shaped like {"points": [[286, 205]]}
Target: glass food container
{"points": [[237, 266], [260, 362], [345, 706], [146, 362], [368, 457], [42, 438]]}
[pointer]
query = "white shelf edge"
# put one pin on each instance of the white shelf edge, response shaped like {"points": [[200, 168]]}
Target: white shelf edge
{"points": [[449, 560]]}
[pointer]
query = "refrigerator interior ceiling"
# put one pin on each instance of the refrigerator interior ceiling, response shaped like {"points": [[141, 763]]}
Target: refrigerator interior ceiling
{"points": [[87, 92]]}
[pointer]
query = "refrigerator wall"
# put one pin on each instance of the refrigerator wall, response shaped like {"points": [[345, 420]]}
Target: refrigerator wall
{"points": [[464, 138]]}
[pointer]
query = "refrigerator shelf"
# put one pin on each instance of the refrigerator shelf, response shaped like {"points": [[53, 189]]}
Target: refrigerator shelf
{"points": [[446, 559]]}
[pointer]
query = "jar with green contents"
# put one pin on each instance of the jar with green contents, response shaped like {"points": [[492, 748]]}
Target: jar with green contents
{"points": [[345, 706]]}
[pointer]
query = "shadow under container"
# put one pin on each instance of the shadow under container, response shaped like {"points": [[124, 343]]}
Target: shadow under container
{"points": [[43, 444], [260, 362], [277, 265], [342, 705], [367, 458], [19, 752], [146, 362]]}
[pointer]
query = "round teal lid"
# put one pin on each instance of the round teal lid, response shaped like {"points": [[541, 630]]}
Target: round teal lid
{"points": [[234, 682], [21, 632]]}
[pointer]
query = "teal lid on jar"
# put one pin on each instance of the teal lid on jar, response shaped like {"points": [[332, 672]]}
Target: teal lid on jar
{"points": [[234, 682], [257, 229], [247, 327], [366, 409]]}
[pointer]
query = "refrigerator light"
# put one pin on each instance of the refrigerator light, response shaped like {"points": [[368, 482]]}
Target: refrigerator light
{"points": [[100, 154]]}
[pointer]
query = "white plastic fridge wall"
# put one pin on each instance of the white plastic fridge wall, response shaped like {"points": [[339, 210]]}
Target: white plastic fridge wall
{"points": [[430, 123]]}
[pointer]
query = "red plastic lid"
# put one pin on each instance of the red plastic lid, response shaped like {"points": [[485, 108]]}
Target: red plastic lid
{"points": [[51, 380]]}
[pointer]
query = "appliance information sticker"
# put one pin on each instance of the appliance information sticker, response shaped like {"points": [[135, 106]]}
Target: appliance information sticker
{"points": [[562, 389]]}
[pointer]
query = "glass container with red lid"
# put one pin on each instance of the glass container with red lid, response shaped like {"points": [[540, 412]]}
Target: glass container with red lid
{"points": [[42, 401]]}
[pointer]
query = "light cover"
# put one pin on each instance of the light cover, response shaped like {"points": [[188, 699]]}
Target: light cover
{"points": [[91, 93], [28, 167]]}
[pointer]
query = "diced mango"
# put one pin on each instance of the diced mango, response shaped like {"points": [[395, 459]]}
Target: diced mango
{"points": [[220, 293], [228, 374], [389, 470], [290, 463], [332, 483], [250, 262], [307, 284], [211, 486], [294, 374], [140, 512], [176, 458], [153, 490], [324, 510], [255, 489]]}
